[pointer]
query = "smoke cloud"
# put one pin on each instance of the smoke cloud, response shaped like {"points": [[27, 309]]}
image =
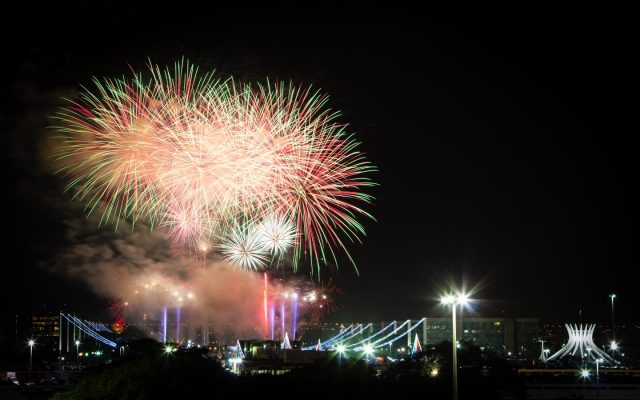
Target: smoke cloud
{"points": [[140, 268]]}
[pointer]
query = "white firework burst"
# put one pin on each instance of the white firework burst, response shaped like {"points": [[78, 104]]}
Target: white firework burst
{"points": [[276, 234], [243, 248]]}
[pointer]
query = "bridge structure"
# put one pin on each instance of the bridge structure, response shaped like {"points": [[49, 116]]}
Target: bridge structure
{"points": [[363, 337], [74, 331]]}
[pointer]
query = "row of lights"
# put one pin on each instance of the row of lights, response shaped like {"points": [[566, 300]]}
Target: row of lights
{"points": [[462, 299], [368, 349]]}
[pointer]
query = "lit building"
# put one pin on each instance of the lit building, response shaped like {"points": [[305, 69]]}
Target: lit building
{"points": [[44, 329], [504, 335], [45, 326]]}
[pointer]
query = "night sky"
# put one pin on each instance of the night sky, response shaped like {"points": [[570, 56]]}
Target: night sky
{"points": [[503, 139]]}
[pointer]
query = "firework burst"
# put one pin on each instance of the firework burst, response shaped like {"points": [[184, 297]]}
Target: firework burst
{"points": [[276, 234], [243, 248], [202, 157]]}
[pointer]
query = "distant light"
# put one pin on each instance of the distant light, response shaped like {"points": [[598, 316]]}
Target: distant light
{"points": [[368, 349], [614, 345], [190, 295], [341, 348], [434, 372], [612, 295], [584, 373], [77, 343], [461, 299], [449, 299], [169, 349], [31, 342]]}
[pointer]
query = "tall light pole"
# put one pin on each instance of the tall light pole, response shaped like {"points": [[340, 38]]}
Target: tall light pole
{"points": [[341, 349], [31, 343], [368, 350], [613, 329], [78, 353], [452, 300], [598, 361]]}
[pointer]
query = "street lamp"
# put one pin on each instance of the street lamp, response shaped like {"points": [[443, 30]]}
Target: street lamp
{"points": [[368, 350], [462, 300], [613, 332], [31, 343], [78, 353], [341, 349], [584, 374], [598, 361]]}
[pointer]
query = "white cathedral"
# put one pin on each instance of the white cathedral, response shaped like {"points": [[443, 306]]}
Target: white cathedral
{"points": [[580, 344]]}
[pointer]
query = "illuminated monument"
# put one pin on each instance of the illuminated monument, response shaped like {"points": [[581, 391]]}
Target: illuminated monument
{"points": [[580, 344]]}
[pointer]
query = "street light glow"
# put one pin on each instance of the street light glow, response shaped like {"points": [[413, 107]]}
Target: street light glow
{"points": [[449, 299], [31, 343], [614, 345], [584, 373], [461, 299], [368, 349], [341, 348]]}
